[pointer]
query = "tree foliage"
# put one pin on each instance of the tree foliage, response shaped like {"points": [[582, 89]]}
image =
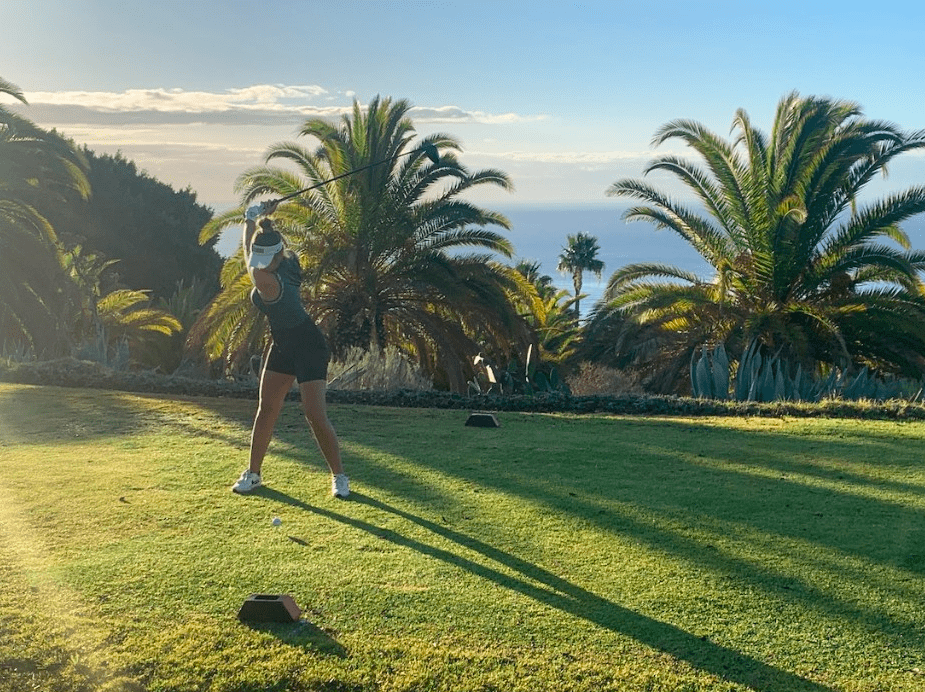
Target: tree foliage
{"points": [[800, 262], [550, 313], [38, 170], [579, 256], [150, 228], [387, 252], [77, 267]]}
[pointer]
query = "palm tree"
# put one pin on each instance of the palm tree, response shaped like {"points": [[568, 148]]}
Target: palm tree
{"points": [[170, 353], [549, 312], [384, 252], [128, 314], [35, 167], [580, 256], [100, 322], [87, 272], [798, 263]]}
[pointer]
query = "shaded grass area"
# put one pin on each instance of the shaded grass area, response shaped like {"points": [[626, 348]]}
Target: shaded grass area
{"points": [[554, 553]]}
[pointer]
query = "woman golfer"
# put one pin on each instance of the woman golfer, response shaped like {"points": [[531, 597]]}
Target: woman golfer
{"points": [[298, 351]]}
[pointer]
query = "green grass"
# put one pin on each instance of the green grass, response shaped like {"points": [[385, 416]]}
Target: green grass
{"points": [[554, 553]]}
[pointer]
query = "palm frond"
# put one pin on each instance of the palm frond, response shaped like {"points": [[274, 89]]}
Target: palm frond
{"points": [[383, 250], [795, 260], [11, 89]]}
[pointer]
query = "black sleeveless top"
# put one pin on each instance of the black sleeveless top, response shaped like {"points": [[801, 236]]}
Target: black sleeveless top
{"points": [[287, 310]]}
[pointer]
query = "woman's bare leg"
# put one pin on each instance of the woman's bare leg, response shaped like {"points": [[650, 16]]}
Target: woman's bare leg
{"points": [[273, 389], [316, 413]]}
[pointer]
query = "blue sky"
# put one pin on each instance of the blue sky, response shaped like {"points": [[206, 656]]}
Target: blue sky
{"points": [[563, 96]]}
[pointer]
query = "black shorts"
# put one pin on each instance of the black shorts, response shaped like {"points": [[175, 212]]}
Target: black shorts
{"points": [[300, 351]]}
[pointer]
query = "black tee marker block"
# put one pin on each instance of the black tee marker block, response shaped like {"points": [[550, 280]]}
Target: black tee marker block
{"points": [[269, 608], [481, 419]]}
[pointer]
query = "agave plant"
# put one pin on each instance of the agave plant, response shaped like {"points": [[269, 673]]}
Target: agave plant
{"points": [[799, 263], [761, 378]]}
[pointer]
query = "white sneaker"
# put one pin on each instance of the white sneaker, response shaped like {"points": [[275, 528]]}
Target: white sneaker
{"points": [[340, 486], [247, 482]]}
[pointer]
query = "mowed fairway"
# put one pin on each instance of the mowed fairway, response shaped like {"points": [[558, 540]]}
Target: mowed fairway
{"points": [[553, 553]]}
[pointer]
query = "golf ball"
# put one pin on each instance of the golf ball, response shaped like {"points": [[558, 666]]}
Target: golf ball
{"points": [[276, 521]]}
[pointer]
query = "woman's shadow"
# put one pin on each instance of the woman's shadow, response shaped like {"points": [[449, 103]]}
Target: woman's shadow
{"points": [[556, 592]]}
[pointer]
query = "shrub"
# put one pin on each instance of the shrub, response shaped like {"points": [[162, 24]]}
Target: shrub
{"points": [[594, 379], [373, 370]]}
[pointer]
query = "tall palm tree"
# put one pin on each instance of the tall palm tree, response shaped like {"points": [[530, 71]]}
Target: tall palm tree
{"points": [[35, 166], [386, 252], [798, 262], [580, 256]]}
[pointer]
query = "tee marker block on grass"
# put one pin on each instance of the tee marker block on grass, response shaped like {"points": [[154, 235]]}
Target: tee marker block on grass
{"points": [[482, 419], [269, 608]]}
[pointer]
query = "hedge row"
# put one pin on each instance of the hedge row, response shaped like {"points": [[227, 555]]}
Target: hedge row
{"points": [[69, 372]]}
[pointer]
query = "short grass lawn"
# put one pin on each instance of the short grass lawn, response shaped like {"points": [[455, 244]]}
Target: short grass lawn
{"points": [[556, 552]]}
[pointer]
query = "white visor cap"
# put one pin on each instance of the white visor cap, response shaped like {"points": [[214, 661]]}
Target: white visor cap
{"points": [[262, 255]]}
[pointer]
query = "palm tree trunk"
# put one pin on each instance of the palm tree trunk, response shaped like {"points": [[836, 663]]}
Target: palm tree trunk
{"points": [[576, 280]]}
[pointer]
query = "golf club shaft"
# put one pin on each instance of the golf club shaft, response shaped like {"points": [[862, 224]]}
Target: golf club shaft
{"points": [[355, 170]]}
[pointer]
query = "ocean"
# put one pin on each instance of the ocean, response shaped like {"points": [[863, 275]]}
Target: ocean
{"points": [[539, 233]]}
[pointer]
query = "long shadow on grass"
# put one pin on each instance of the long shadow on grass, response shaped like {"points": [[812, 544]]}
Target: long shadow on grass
{"points": [[817, 456], [667, 481], [31, 415], [45, 414], [794, 491], [680, 500], [561, 594], [752, 477]]}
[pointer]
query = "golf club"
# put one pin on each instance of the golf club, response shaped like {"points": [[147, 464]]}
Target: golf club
{"points": [[429, 150]]}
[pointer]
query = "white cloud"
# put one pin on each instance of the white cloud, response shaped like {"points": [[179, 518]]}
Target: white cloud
{"points": [[261, 96], [205, 139], [266, 104], [454, 114], [590, 159]]}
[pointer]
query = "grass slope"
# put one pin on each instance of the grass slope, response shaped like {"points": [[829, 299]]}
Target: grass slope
{"points": [[554, 553]]}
